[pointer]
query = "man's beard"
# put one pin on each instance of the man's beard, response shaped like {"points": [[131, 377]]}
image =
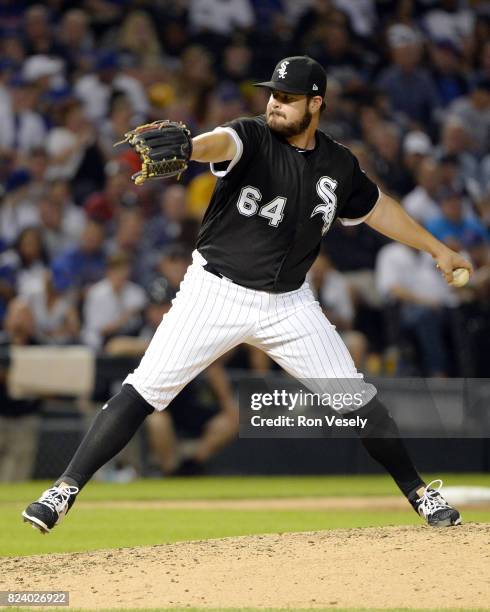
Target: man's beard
{"points": [[292, 129]]}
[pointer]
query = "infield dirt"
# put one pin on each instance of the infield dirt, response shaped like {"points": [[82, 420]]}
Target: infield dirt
{"points": [[409, 567]]}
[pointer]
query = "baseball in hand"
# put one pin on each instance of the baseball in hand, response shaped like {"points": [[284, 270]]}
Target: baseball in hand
{"points": [[460, 277]]}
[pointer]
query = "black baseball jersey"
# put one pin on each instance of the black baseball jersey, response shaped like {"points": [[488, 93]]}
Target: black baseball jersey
{"points": [[273, 203]]}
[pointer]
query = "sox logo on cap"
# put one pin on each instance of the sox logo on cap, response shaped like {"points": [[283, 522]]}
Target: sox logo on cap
{"points": [[282, 72]]}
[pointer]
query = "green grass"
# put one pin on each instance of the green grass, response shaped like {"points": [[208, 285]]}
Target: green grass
{"points": [[99, 528], [247, 487]]}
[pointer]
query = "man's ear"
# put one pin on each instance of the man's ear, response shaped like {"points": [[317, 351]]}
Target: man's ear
{"points": [[315, 103]]}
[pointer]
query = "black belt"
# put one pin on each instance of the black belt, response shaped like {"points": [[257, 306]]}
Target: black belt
{"points": [[210, 268]]}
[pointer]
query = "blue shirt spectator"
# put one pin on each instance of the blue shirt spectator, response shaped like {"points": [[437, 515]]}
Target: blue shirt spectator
{"points": [[410, 88], [452, 226], [84, 264]]}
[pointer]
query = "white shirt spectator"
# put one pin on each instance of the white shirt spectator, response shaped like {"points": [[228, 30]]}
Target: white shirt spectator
{"points": [[397, 265], [28, 279], [220, 17], [475, 121], [335, 296], [72, 226], [22, 132], [48, 320], [16, 215], [443, 25], [61, 140], [362, 14], [420, 205], [95, 95], [4, 99], [103, 306]]}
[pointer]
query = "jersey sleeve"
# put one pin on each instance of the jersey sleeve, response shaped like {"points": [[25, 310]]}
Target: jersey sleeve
{"points": [[361, 199], [246, 133]]}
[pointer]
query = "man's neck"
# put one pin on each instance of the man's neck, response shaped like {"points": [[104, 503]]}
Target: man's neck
{"points": [[305, 140]]}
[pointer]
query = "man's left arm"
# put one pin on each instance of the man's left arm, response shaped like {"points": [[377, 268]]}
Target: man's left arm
{"points": [[390, 219]]}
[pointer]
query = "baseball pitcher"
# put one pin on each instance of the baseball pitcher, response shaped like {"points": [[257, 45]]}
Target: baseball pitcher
{"points": [[282, 183]]}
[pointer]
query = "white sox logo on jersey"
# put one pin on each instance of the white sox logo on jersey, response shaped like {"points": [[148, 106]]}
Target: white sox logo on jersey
{"points": [[282, 72], [325, 189]]}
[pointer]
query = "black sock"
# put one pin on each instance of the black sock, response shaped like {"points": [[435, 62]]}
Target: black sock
{"points": [[109, 433], [382, 441]]}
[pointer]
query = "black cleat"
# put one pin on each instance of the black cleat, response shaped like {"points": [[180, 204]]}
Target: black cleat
{"points": [[434, 508], [50, 508]]}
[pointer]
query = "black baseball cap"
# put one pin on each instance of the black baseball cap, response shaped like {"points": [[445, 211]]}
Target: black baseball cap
{"points": [[299, 74]]}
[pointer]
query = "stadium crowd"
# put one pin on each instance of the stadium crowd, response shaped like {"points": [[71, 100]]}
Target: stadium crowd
{"points": [[87, 257]]}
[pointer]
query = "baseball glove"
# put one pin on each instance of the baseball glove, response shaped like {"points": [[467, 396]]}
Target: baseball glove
{"points": [[164, 146]]}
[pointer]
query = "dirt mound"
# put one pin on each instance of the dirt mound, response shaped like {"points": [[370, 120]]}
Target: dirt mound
{"points": [[410, 567]]}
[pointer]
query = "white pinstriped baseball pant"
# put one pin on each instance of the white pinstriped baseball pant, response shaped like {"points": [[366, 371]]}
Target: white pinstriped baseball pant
{"points": [[211, 315]]}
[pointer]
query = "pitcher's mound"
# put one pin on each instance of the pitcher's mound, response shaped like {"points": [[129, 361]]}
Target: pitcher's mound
{"points": [[408, 567]]}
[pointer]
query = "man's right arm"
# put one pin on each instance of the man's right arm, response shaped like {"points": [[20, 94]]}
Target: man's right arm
{"points": [[214, 147]]}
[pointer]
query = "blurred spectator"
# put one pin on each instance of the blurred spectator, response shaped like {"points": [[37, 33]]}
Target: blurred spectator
{"points": [[19, 418], [67, 143], [6, 67], [160, 295], [421, 202], [362, 15], [38, 33], [173, 264], [118, 192], [74, 153], [448, 71], [332, 291], [484, 61], [317, 14], [333, 46], [409, 279], [22, 127], [340, 118], [173, 223], [138, 36], [452, 226], [96, 88], [449, 20], [113, 306], [474, 112], [237, 59], [37, 168], [224, 104], [17, 208], [24, 265], [53, 307], [409, 87], [479, 251], [62, 221], [128, 240], [85, 263], [192, 429], [387, 157], [194, 80], [13, 51], [199, 192], [416, 147], [74, 37], [119, 121], [219, 17]]}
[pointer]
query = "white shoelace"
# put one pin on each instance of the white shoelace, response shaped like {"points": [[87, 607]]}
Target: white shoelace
{"points": [[432, 500], [57, 498]]}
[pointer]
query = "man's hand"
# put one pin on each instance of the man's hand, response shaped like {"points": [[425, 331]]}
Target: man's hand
{"points": [[447, 261]]}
